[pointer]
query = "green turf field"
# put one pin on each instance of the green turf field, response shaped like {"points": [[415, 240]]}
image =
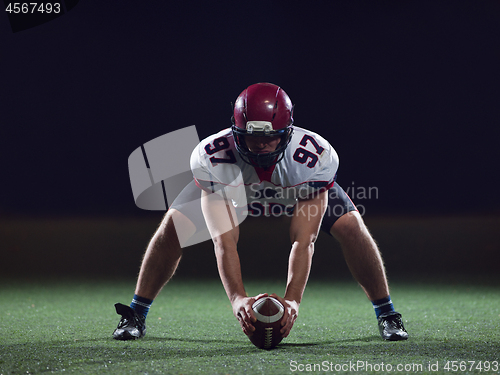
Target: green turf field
{"points": [[65, 327]]}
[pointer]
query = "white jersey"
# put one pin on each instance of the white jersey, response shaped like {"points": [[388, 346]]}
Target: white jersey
{"points": [[310, 163]]}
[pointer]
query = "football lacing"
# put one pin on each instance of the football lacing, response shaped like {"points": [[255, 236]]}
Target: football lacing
{"points": [[268, 337]]}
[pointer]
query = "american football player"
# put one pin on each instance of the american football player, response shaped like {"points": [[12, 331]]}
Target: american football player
{"points": [[263, 165]]}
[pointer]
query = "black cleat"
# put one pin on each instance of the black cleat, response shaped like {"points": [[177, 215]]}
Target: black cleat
{"points": [[391, 327], [132, 326]]}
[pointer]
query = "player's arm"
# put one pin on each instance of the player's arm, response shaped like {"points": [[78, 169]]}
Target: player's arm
{"points": [[304, 229], [225, 233]]}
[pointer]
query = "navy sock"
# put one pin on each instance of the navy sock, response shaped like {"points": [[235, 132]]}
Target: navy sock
{"points": [[141, 305], [383, 305]]}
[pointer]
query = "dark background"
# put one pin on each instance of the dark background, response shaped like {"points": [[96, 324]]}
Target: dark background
{"points": [[407, 92]]}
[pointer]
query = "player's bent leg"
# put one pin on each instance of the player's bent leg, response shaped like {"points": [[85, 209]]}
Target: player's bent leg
{"points": [[163, 254], [159, 264], [366, 265], [361, 254]]}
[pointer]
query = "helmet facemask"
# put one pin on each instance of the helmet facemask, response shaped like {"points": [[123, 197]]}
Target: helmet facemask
{"points": [[264, 160]]}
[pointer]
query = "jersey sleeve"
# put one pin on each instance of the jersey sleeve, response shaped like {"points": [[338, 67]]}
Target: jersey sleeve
{"points": [[214, 172], [324, 177], [313, 163], [201, 173]]}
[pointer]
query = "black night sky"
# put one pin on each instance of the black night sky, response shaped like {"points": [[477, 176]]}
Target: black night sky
{"points": [[407, 92]]}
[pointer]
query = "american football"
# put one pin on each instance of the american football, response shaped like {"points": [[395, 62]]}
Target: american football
{"points": [[269, 312]]}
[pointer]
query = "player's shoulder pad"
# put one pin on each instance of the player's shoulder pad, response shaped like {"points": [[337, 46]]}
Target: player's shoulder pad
{"points": [[216, 161], [199, 156], [313, 153]]}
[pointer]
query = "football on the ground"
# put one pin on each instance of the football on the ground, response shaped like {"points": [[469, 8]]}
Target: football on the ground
{"points": [[269, 312]]}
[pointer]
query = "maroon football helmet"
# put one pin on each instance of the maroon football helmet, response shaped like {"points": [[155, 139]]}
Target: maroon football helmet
{"points": [[262, 109]]}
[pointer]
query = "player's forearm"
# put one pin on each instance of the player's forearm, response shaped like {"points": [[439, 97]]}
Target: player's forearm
{"points": [[228, 263], [299, 266], [217, 213], [304, 230]]}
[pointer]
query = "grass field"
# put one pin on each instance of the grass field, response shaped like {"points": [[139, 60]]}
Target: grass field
{"points": [[65, 327]]}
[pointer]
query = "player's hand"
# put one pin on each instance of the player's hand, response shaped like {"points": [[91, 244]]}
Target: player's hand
{"points": [[242, 310], [289, 316]]}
